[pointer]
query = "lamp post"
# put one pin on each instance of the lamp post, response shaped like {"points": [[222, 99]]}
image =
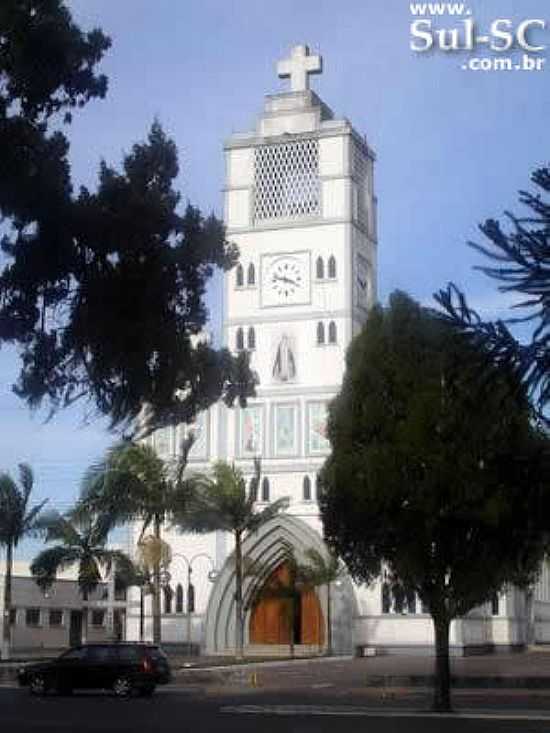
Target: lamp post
{"points": [[190, 589]]}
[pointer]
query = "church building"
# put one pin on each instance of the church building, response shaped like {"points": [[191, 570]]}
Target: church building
{"points": [[300, 205]]}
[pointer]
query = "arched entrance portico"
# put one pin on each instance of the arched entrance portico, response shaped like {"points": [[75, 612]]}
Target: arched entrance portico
{"points": [[268, 548]]}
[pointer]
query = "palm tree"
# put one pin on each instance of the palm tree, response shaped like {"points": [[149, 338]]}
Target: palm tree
{"points": [[81, 541], [221, 502], [323, 570], [16, 522], [133, 483]]}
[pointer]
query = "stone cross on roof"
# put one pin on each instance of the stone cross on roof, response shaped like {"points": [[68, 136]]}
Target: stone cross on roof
{"points": [[298, 67]]}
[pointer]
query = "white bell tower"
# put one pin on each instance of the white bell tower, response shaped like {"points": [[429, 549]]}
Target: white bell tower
{"points": [[300, 205]]}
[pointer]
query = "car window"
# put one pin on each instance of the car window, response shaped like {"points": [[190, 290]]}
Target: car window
{"points": [[98, 654], [156, 654], [74, 654], [129, 654]]}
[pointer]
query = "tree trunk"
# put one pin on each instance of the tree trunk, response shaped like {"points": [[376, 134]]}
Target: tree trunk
{"points": [[291, 624], [156, 593], [85, 612], [141, 612], [329, 621], [238, 596], [6, 628], [442, 683]]}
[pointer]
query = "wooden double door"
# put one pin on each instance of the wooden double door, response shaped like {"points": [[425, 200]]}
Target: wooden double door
{"points": [[278, 612]]}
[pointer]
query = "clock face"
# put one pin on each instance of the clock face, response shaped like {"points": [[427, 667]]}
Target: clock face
{"points": [[285, 279]]}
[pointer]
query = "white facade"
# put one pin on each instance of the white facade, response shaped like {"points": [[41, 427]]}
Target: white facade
{"points": [[300, 204], [53, 619]]}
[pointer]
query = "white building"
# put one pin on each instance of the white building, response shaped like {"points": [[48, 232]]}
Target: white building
{"points": [[300, 204], [54, 619]]}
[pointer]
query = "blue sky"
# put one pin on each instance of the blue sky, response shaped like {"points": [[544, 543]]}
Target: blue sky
{"points": [[453, 146]]}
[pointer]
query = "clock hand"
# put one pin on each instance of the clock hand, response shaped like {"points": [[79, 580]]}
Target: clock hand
{"points": [[284, 279]]}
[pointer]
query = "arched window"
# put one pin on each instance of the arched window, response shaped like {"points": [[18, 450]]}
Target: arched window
{"points": [[332, 332], [190, 598], [386, 598], [179, 598], [331, 267], [239, 278], [320, 268], [251, 338], [253, 489], [307, 488], [168, 599], [265, 489], [239, 340], [318, 487], [251, 274], [320, 333]]}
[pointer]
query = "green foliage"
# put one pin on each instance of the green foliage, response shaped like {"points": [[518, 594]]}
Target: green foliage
{"points": [[221, 500], [518, 253], [17, 519], [104, 291], [436, 472], [79, 541], [133, 483]]}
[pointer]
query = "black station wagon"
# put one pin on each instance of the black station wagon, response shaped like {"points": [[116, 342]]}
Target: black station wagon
{"points": [[125, 668]]}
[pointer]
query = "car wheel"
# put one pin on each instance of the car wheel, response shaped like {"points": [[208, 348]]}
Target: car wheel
{"points": [[38, 684], [122, 686], [147, 691]]}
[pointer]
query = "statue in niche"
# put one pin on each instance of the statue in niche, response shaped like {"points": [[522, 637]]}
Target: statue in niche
{"points": [[284, 366]]}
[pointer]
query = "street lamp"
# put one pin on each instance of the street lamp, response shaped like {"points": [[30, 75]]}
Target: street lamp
{"points": [[212, 575]]}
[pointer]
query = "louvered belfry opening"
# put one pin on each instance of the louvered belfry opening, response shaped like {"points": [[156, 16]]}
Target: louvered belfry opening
{"points": [[286, 180]]}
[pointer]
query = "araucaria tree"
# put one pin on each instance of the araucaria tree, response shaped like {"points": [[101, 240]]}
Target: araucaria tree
{"points": [[518, 255], [103, 292], [17, 521], [437, 474]]}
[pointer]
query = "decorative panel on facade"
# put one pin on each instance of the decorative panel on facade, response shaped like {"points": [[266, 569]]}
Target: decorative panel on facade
{"points": [[286, 178]]}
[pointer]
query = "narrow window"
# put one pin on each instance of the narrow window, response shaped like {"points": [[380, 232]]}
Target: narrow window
{"points": [[240, 276], [251, 339], [332, 332], [179, 598], [320, 268], [265, 489], [386, 598], [399, 599], [320, 333], [251, 275], [411, 603], [254, 489], [307, 488], [332, 267], [239, 341], [190, 598], [495, 605], [318, 488], [168, 599]]}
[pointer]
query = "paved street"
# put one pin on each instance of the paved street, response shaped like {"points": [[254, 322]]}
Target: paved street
{"points": [[177, 710], [301, 696]]}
